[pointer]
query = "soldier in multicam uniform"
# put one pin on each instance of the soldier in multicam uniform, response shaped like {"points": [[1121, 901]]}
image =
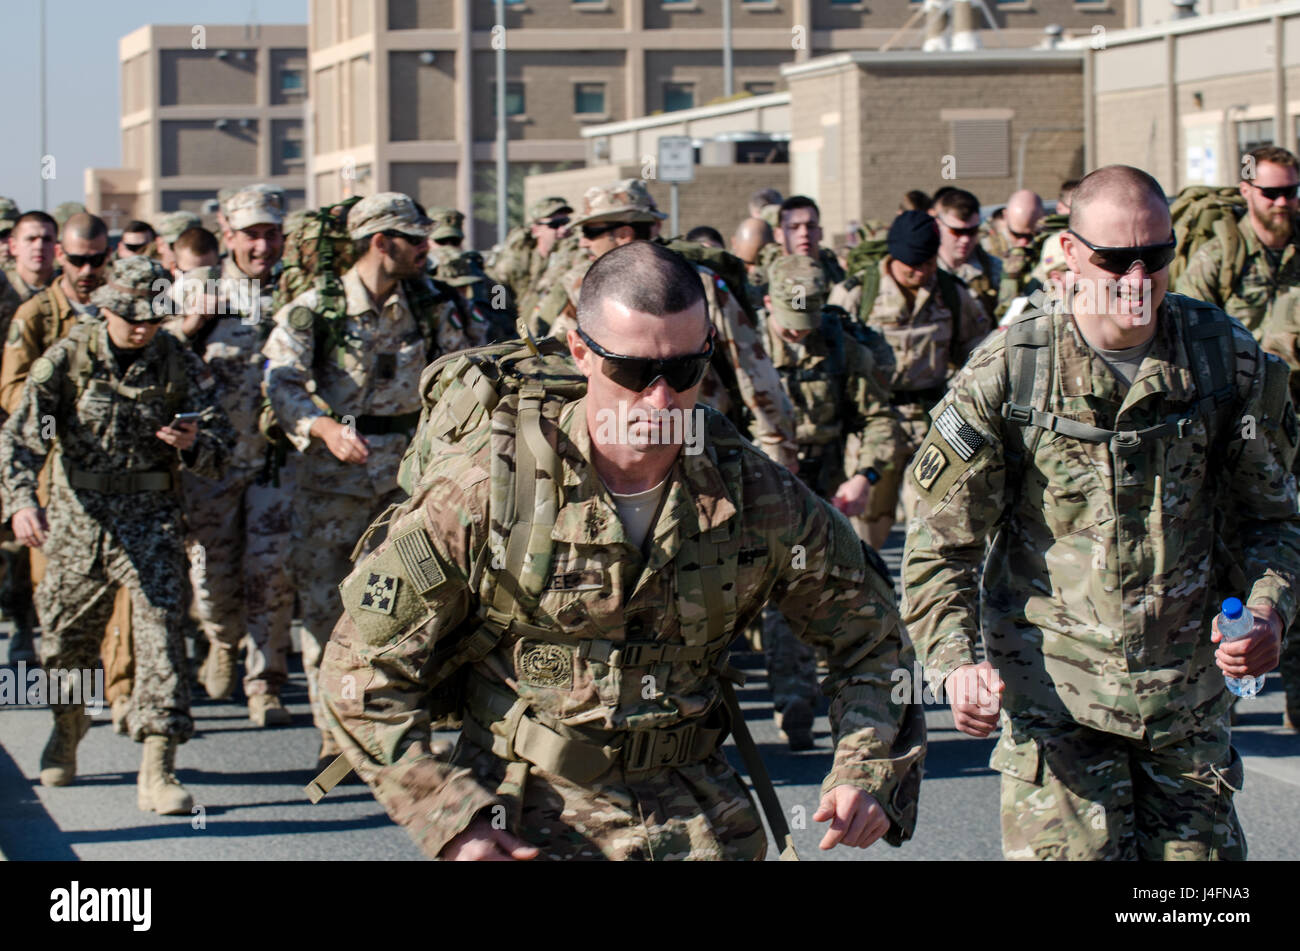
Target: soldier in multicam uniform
{"points": [[347, 396], [1254, 275], [960, 254], [170, 227], [619, 213], [584, 766], [1102, 473], [112, 389], [446, 238], [240, 523], [1013, 237], [521, 263], [831, 380], [799, 231], [932, 323]]}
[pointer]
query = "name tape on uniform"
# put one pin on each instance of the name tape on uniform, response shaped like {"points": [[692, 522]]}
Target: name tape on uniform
{"points": [[958, 433]]}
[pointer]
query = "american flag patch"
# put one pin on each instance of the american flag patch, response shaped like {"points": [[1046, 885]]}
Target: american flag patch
{"points": [[958, 433]]}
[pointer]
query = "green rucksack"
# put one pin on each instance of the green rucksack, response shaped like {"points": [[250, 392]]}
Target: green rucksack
{"points": [[1202, 212], [502, 393]]}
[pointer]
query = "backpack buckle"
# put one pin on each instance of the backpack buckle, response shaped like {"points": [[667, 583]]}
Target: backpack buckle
{"points": [[1123, 443], [1024, 415]]}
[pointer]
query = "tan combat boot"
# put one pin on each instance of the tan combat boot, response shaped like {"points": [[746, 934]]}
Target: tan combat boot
{"points": [[265, 709], [218, 671], [120, 706], [59, 759], [158, 790], [329, 750]]}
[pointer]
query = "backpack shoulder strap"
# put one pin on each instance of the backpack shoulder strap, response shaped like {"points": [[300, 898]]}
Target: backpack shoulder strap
{"points": [[1030, 358], [327, 327], [951, 296]]}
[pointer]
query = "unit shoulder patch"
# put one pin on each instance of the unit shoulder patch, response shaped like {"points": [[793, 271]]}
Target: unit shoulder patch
{"points": [[42, 370], [300, 318], [928, 467]]}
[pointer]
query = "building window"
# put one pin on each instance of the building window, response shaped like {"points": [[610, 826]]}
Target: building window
{"points": [[589, 99], [291, 150], [291, 80], [679, 96], [760, 88], [514, 98], [1252, 134]]}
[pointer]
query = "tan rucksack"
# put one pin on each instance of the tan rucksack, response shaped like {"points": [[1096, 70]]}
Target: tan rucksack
{"points": [[1202, 212]]}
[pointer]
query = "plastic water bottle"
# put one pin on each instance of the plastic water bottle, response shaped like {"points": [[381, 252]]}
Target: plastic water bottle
{"points": [[1236, 622]]}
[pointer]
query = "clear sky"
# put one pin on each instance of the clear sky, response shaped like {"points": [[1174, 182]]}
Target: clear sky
{"points": [[84, 104]]}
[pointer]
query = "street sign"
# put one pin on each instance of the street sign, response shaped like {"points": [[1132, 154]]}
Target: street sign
{"points": [[676, 159]]}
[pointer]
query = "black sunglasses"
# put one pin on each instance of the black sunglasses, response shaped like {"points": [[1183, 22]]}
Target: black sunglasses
{"points": [[408, 238], [591, 232], [639, 373], [1154, 257], [962, 232], [555, 223], [135, 248], [81, 260], [1274, 192], [1022, 235]]}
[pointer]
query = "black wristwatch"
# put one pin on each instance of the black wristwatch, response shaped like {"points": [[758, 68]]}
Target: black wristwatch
{"points": [[872, 475]]}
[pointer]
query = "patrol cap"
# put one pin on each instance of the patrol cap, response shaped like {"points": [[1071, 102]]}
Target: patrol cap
{"points": [[797, 285], [254, 205], [626, 200], [464, 268], [913, 238], [447, 223], [65, 210], [545, 208], [138, 288], [173, 223], [9, 214], [386, 211], [1052, 258]]}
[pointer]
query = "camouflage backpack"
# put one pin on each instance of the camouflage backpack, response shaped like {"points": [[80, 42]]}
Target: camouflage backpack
{"points": [[502, 393], [1199, 213]]}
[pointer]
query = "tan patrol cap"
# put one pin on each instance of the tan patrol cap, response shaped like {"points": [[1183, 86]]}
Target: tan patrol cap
{"points": [[627, 200], [385, 211], [254, 205], [797, 285]]}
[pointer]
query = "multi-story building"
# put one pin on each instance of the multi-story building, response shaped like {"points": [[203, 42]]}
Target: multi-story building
{"points": [[403, 91], [204, 107]]}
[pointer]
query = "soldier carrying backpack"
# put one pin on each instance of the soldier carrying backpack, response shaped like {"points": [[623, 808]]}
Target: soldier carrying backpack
{"points": [[572, 591]]}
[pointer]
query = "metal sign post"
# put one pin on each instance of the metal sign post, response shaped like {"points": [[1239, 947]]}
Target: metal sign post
{"points": [[676, 165]]}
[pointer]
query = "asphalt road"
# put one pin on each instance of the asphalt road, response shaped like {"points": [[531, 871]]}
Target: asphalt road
{"points": [[249, 785]]}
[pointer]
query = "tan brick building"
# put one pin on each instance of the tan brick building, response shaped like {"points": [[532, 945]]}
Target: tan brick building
{"points": [[203, 108], [1186, 98], [397, 83]]}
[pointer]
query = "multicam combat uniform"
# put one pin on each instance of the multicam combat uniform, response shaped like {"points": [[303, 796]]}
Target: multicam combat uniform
{"points": [[558, 768], [832, 383], [371, 383], [1099, 588]]}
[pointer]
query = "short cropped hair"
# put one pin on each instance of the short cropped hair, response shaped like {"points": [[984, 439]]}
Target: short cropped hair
{"points": [[140, 227], [1123, 180], [916, 200], [640, 275], [704, 231], [960, 202], [794, 203], [197, 241], [39, 216], [1265, 153]]}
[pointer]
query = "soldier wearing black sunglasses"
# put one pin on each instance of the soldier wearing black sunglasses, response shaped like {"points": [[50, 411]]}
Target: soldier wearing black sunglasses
{"points": [[1247, 269]]}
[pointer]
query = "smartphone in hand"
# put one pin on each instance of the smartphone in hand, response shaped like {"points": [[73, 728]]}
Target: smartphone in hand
{"points": [[185, 418]]}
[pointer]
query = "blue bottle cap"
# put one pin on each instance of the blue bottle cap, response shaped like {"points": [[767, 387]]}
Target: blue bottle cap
{"points": [[1232, 608]]}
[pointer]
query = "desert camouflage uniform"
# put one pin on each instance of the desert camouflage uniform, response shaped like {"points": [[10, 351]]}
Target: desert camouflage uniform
{"points": [[376, 385], [1255, 288], [113, 535], [483, 323], [728, 496], [566, 254], [1099, 588], [240, 523], [929, 343], [833, 397], [982, 275]]}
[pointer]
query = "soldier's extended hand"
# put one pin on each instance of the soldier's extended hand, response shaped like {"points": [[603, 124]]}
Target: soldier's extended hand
{"points": [[1250, 656], [857, 819], [182, 436], [30, 527], [851, 497], [345, 442], [975, 693], [482, 843]]}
